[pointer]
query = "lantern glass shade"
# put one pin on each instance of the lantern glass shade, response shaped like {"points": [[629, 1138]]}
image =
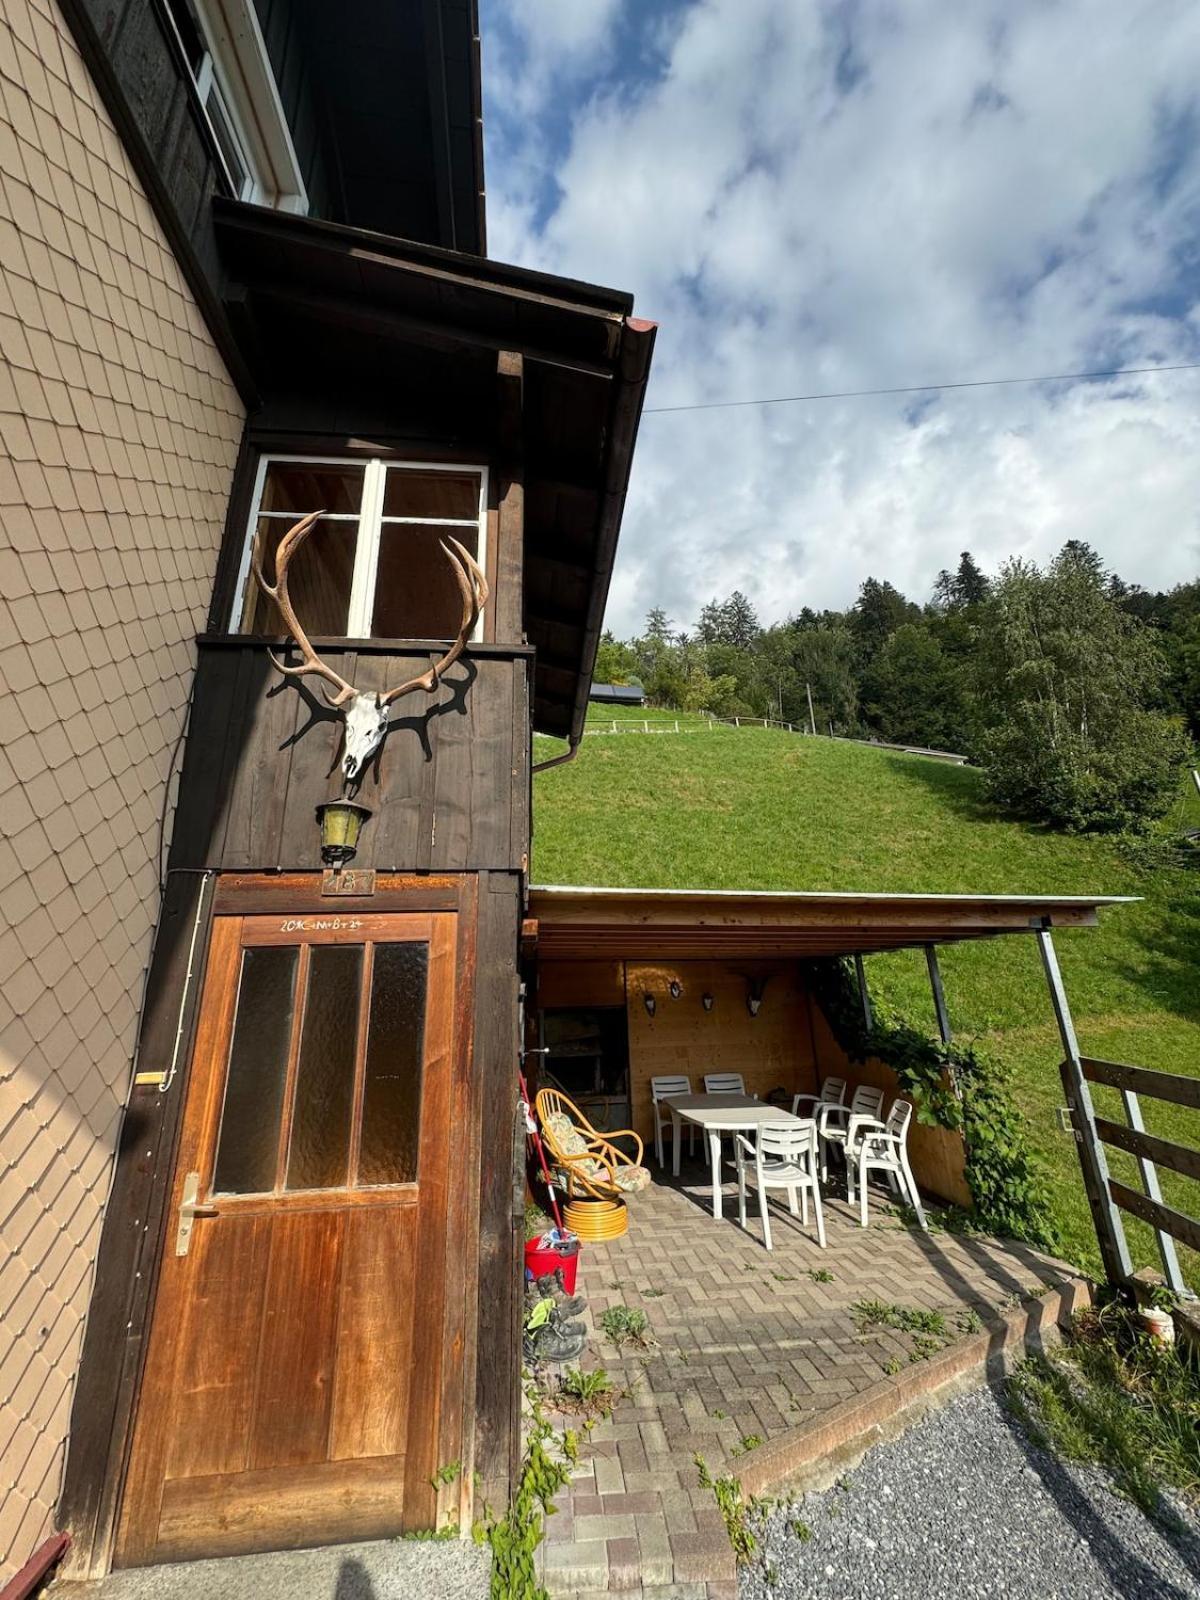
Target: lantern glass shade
{"points": [[650, 1003], [341, 823], [707, 1002], [676, 988]]}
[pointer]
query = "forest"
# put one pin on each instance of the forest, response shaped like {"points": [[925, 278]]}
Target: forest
{"points": [[1076, 692]]}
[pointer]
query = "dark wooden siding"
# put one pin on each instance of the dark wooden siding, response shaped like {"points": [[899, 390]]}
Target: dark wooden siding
{"points": [[302, 105], [449, 792], [132, 54]]}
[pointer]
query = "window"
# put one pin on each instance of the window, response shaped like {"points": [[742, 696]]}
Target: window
{"points": [[226, 55], [373, 566]]}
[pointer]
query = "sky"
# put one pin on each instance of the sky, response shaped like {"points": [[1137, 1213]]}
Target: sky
{"points": [[817, 196]]}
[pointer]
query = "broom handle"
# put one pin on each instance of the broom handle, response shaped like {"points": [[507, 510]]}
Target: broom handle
{"points": [[537, 1145]]}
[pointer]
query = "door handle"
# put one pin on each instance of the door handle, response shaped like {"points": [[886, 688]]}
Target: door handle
{"points": [[189, 1210]]}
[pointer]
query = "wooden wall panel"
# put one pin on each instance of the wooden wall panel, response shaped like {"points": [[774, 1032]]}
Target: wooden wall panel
{"points": [[936, 1154], [448, 792], [501, 1188], [580, 983]]}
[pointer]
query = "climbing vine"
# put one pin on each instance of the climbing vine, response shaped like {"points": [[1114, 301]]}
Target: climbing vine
{"points": [[1006, 1184]]}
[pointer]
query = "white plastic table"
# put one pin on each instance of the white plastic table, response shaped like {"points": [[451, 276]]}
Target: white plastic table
{"points": [[718, 1114]]}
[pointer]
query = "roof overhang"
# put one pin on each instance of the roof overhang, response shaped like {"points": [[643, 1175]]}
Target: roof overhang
{"points": [[405, 334], [696, 924]]}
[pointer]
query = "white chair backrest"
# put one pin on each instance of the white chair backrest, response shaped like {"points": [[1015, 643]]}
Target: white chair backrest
{"points": [[866, 1101], [898, 1119], [661, 1088], [833, 1092], [786, 1141], [724, 1083]]}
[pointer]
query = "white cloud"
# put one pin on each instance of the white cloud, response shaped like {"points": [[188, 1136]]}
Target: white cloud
{"points": [[840, 197]]}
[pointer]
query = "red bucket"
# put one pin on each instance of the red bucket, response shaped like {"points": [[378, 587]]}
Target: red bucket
{"points": [[539, 1261]]}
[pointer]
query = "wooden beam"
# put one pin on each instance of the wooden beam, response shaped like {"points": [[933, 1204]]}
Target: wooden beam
{"points": [[1180, 1226], [1149, 1147], [433, 332], [1169, 1086], [508, 608]]}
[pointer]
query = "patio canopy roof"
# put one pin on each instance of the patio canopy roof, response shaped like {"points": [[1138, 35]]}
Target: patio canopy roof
{"points": [[695, 924]]}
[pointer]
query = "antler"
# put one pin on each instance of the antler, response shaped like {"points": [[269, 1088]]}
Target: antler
{"points": [[474, 590], [471, 583], [278, 591]]}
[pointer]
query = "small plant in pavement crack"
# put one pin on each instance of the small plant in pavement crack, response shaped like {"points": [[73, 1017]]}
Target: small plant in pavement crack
{"points": [[727, 1491], [626, 1325]]}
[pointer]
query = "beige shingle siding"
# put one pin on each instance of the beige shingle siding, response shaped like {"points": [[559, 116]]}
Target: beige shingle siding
{"points": [[118, 431]]}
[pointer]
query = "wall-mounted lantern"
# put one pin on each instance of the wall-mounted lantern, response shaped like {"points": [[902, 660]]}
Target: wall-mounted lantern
{"points": [[707, 1001], [675, 988], [754, 994], [341, 823], [650, 1003]]}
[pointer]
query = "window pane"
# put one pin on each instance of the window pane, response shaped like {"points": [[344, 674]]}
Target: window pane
{"points": [[320, 1151], [319, 579], [297, 487], [391, 1117], [431, 494], [416, 594], [234, 157], [254, 1084]]}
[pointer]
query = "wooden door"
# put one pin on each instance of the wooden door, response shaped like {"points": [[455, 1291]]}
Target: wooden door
{"points": [[293, 1386]]}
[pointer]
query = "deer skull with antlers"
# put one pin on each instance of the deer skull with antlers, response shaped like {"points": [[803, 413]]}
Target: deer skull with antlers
{"points": [[365, 715]]}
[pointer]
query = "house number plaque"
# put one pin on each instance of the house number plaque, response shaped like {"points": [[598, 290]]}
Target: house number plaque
{"points": [[352, 880]]}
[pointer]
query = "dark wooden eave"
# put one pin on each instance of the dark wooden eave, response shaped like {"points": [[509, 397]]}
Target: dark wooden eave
{"points": [[400, 330], [687, 924]]}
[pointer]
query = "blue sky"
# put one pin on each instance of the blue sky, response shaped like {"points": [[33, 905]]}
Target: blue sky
{"points": [[867, 194]]}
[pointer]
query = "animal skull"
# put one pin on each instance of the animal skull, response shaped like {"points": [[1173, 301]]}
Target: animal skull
{"points": [[366, 719]]}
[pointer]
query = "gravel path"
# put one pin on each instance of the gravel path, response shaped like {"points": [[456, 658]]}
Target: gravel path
{"points": [[965, 1505]]}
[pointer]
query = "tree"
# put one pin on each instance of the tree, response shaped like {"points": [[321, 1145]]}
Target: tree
{"points": [[914, 691], [971, 586], [879, 610], [659, 626], [1065, 680], [739, 622], [615, 662]]}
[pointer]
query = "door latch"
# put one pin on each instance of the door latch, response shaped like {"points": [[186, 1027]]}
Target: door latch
{"points": [[189, 1210]]}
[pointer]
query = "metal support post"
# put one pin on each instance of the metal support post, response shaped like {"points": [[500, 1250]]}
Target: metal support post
{"points": [[1110, 1231], [864, 994]]}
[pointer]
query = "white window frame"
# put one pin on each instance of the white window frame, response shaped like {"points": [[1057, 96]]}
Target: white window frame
{"points": [[237, 67], [370, 523]]}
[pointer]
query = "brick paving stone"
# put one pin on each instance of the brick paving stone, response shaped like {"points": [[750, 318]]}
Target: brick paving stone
{"points": [[767, 1347]]}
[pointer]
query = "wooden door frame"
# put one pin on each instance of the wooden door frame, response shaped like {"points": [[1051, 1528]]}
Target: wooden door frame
{"points": [[137, 1219]]}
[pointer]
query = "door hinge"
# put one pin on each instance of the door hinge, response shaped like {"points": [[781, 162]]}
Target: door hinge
{"points": [[189, 1210]]}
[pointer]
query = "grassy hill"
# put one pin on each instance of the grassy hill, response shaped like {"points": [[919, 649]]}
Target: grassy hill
{"points": [[759, 809]]}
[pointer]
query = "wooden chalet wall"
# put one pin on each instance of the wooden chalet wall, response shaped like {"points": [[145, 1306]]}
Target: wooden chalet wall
{"points": [[449, 792]]}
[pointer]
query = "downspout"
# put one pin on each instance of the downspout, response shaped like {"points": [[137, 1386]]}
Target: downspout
{"points": [[554, 761]]}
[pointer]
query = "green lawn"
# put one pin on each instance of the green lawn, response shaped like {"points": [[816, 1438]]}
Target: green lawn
{"points": [[757, 809]]}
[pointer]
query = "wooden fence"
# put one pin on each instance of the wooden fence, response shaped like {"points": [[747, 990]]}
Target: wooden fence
{"points": [[1151, 1152]]}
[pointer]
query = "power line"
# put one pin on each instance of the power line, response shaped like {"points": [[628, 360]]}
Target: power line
{"points": [[919, 388]]}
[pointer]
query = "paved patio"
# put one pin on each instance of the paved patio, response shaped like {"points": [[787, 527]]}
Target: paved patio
{"points": [[749, 1347]]}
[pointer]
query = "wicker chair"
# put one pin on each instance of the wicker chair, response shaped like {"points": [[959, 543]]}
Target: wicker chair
{"points": [[594, 1173]]}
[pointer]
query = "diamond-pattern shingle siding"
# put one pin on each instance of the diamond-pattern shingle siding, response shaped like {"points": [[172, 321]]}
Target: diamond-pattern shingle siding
{"points": [[118, 431]]}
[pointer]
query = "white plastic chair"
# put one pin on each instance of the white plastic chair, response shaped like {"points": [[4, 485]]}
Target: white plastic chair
{"points": [[832, 1093], [783, 1156], [883, 1147], [838, 1125], [724, 1083], [663, 1088]]}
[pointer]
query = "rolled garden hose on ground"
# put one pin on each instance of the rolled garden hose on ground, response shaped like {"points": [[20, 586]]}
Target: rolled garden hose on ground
{"points": [[596, 1219]]}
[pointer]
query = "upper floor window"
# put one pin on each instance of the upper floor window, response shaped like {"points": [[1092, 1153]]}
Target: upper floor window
{"points": [[227, 58], [373, 566]]}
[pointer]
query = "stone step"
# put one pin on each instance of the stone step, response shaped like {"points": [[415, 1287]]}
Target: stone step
{"points": [[383, 1569]]}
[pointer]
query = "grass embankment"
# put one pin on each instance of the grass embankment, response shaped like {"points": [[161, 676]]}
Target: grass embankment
{"points": [[758, 809]]}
